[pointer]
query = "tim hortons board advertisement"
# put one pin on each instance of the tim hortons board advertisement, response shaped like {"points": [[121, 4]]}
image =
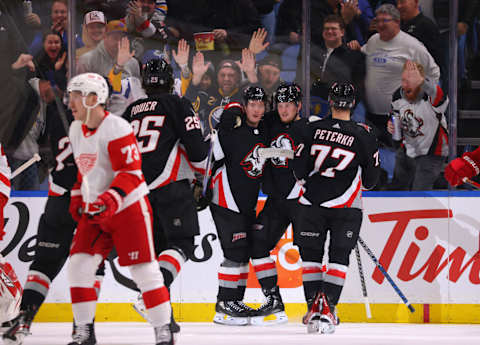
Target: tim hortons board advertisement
{"points": [[428, 245]]}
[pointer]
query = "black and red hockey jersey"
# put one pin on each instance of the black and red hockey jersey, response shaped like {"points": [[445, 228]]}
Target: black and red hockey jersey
{"points": [[238, 167], [64, 172], [280, 180], [169, 137], [336, 158]]}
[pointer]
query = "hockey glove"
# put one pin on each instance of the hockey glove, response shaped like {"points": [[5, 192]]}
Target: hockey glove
{"points": [[231, 117], [201, 200], [464, 167], [75, 207], [105, 206]]}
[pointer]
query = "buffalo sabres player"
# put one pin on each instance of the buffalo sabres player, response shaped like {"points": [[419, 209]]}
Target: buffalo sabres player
{"points": [[280, 208], [236, 174], [337, 158], [173, 150]]}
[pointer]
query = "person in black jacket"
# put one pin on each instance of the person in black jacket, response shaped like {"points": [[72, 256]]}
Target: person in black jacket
{"points": [[337, 159], [333, 61], [236, 175]]}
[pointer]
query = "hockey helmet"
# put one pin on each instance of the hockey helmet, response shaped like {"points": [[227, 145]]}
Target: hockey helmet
{"points": [[341, 95], [87, 83], [254, 93], [157, 73], [288, 92]]}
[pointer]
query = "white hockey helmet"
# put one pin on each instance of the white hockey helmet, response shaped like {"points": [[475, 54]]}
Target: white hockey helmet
{"points": [[87, 83]]}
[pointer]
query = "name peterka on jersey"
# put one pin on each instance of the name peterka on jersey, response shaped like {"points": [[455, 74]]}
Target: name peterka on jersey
{"points": [[145, 106], [334, 137]]}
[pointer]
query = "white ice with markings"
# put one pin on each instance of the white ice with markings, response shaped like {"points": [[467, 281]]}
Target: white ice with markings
{"points": [[291, 333]]}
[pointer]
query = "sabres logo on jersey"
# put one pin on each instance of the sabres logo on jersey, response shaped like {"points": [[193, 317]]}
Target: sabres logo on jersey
{"points": [[253, 163], [411, 124], [86, 162], [283, 141]]}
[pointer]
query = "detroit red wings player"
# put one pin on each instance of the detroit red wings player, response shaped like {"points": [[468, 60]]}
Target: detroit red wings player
{"points": [[109, 199]]}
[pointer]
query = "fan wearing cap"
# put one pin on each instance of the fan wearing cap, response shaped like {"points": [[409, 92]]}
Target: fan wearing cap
{"points": [[93, 31], [109, 200], [236, 175], [269, 74], [337, 157], [229, 76], [112, 52]]}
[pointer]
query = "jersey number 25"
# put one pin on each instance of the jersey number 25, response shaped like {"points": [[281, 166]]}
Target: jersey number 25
{"points": [[148, 137]]}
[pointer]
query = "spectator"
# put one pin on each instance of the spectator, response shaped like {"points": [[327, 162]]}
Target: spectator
{"points": [[333, 61], [58, 16], [290, 19], [422, 28], [269, 76], [104, 57], [113, 9], [146, 19], [93, 31], [420, 106], [387, 51], [51, 61], [229, 76]]}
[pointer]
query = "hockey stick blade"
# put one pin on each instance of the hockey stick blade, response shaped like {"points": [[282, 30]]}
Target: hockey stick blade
{"points": [[385, 274], [36, 158]]}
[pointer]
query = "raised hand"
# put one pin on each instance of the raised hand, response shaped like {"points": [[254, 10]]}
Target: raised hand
{"points": [[247, 64], [412, 75], [124, 54], [199, 68], [60, 62], [182, 53], [257, 42], [220, 35], [24, 60]]}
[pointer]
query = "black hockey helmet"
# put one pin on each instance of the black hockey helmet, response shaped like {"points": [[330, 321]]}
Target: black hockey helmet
{"points": [[254, 93], [341, 95], [157, 73], [288, 92]]}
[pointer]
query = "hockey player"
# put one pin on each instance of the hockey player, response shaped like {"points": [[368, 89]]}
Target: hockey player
{"points": [[4, 187], [173, 149], [110, 194], [238, 167], [55, 230], [280, 208], [337, 157]]}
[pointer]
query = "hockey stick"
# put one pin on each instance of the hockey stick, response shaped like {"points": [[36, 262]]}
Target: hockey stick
{"points": [[471, 183], [384, 272], [36, 158], [208, 167], [362, 282]]}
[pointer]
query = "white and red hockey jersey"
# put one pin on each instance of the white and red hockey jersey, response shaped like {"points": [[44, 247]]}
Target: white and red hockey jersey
{"points": [[4, 174], [107, 157]]}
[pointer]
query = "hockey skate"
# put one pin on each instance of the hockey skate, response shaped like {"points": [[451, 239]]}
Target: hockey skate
{"points": [[328, 318], [19, 329], [272, 312], [84, 335], [312, 318], [232, 313], [140, 308], [163, 335]]}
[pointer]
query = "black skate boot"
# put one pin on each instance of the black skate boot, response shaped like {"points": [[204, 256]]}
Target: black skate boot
{"points": [[231, 313], [163, 335], [272, 311], [19, 329], [84, 335]]}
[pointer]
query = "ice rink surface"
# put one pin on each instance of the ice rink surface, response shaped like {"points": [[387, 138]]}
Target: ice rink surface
{"points": [[292, 333]]}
